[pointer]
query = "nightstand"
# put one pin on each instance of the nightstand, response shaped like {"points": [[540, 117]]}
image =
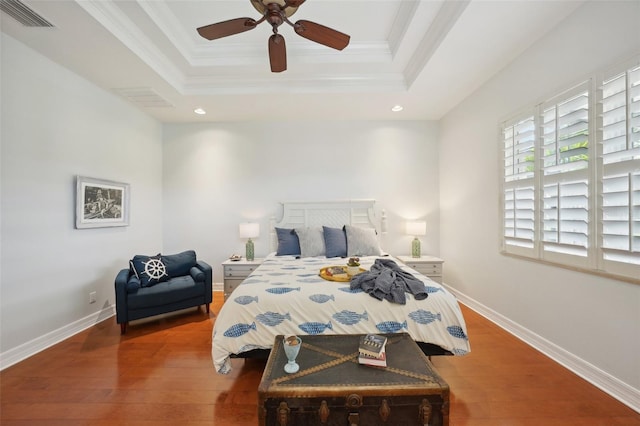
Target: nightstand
{"points": [[235, 271], [430, 266]]}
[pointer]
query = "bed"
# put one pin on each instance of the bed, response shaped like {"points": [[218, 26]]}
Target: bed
{"points": [[287, 295]]}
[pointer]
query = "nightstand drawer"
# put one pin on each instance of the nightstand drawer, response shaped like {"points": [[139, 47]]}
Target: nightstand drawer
{"points": [[239, 271], [427, 268], [236, 271], [230, 285], [427, 265]]}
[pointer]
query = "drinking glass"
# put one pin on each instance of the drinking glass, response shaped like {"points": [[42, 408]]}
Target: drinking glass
{"points": [[291, 346]]}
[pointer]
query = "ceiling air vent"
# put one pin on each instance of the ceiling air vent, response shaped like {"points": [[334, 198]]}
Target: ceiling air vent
{"points": [[23, 14]]}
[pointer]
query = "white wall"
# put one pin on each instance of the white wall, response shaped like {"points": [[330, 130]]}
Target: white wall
{"points": [[596, 319], [193, 191], [218, 175], [56, 125]]}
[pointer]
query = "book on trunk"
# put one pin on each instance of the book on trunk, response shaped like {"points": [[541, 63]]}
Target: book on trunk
{"points": [[380, 361], [372, 345]]}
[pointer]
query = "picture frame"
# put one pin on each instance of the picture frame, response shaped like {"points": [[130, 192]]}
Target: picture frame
{"points": [[101, 203]]}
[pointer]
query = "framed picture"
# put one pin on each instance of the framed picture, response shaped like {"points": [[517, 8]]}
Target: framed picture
{"points": [[101, 203]]}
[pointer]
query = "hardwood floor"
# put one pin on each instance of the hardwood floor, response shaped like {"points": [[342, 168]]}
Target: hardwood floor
{"points": [[161, 373]]}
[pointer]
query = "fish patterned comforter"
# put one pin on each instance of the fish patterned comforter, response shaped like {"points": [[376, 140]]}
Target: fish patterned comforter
{"points": [[286, 295]]}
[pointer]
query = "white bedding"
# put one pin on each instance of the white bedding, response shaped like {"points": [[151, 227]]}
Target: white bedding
{"points": [[286, 295]]}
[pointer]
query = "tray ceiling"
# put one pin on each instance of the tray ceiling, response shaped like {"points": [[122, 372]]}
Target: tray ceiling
{"points": [[424, 55]]}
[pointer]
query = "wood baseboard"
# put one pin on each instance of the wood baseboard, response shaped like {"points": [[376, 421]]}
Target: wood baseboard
{"points": [[32, 347], [618, 389]]}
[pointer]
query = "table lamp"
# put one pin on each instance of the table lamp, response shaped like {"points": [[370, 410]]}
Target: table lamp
{"points": [[416, 229], [249, 230]]}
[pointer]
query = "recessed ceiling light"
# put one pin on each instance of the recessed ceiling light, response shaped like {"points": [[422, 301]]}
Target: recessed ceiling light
{"points": [[397, 108], [200, 111]]}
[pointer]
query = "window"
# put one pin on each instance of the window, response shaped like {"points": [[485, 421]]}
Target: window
{"points": [[564, 139], [571, 183], [620, 170], [519, 199]]}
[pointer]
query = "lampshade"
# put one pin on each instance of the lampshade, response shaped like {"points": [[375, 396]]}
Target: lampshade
{"points": [[249, 230], [416, 228]]}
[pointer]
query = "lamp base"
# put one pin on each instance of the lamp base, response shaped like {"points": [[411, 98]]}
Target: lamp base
{"points": [[249, 250], [415, 247]]}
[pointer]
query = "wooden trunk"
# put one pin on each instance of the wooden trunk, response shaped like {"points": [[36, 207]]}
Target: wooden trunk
{"points": [[332, 388]]}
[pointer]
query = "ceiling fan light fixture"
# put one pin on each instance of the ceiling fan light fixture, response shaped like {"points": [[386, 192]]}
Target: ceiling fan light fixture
{"points": [[263, 5]]}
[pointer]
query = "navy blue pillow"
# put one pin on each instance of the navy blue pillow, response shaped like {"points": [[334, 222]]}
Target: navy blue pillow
{"points": [[288, 243], [179, 264], [150, 270], [335, 241]]}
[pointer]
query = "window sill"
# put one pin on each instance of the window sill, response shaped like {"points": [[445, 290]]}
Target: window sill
{"points": [[603, 274]]}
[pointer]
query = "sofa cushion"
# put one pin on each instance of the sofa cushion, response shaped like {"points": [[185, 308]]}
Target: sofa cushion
{"points": [[197, 274], [167, 292], [133, 284], [179, 264], [150, 270]]}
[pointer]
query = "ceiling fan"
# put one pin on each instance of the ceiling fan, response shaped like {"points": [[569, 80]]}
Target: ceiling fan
{"points": [[276, 12]]}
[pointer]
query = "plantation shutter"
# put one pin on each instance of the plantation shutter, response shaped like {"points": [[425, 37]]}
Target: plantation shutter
{"points": [[565, 176], [620, 203], [570, 191], [518, 185]]}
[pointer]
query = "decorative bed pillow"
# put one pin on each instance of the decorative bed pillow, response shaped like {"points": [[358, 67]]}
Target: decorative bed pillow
{"points": [[150, 270], [179, 264], [362, 241], [311, 241], [335, 241], [288, 243]]}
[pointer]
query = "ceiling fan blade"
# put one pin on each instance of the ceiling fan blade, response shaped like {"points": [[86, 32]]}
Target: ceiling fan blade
{"points": [[277, 53], [321, 34], [227, 28]]}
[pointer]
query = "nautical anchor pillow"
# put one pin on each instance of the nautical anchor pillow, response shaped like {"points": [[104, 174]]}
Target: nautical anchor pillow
{"points": [[150, 270]]}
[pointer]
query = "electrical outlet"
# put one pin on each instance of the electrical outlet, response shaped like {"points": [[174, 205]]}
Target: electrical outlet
{"points": [[92, 297]]}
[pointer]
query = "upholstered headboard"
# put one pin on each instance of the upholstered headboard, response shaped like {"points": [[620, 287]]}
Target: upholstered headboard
{"points": [[329, 213]]}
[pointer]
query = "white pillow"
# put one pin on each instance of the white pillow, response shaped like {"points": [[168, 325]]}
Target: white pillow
{"points": [[362, 241], [311, 241]]}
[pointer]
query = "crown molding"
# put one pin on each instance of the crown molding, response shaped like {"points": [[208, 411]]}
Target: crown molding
{"points": [[449, 13], [405, 15], [381, 74], [107, 13], [349, 83]]}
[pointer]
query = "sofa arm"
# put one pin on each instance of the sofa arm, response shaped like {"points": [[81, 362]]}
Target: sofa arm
{"points": [[121, 295], [208, 279], [197, 274]]}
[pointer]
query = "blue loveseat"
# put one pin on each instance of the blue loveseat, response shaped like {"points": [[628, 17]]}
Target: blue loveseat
{"points": [[154, 285]]}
